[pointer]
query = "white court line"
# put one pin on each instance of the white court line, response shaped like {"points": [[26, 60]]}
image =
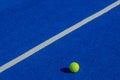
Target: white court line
{"points": [[56, 37]]}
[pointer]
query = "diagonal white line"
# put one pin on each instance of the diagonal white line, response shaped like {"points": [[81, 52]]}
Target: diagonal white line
{"points": [[57, 37]]}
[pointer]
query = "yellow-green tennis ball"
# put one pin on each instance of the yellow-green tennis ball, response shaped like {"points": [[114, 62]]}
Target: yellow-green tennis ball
{"points": [[74, 67]]}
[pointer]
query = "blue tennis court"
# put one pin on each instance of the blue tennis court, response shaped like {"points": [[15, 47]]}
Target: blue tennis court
{"points": [[38, 40]]}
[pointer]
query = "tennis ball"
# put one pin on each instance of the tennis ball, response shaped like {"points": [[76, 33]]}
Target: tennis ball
{"points": [[74, 67]]}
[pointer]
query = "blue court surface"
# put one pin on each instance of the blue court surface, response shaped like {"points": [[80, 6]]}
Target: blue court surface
{"points": [[24, 24]]}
